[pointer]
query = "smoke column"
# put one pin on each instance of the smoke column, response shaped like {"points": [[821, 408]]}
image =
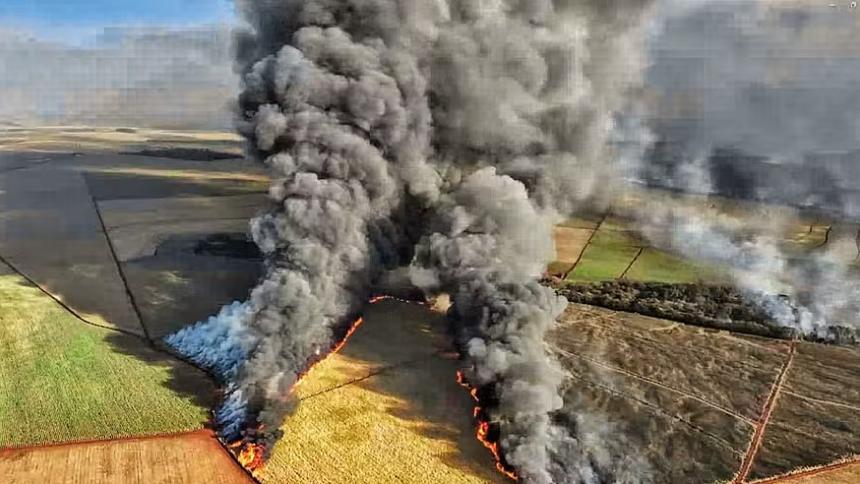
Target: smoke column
{"points": [[452, 133], [339, 116], [525, 96]]}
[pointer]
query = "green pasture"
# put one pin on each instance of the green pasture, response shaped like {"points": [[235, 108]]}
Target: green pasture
{"points": [[62, 380]]}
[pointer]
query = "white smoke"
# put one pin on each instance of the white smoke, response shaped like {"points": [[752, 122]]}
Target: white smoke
{"points": [[773, 80], [140, 76]]}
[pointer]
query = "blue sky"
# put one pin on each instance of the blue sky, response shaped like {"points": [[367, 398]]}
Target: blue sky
{"points": [[90, 13], [79, 21]]}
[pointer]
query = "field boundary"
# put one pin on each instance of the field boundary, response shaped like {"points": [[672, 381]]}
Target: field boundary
{"points": [[633, 261], [823, 402], [65, 306], [128, 293], [137, 438], [767, 411], [810, 471], [379, 371], [585, 247]]}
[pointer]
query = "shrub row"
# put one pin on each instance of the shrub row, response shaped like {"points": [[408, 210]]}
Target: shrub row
{"points": [[711, 306]]}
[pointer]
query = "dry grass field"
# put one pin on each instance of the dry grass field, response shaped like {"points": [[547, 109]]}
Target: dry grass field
{"points": [[817, 417], [385, 410], [689, 398], [91, 139], [192, 458]]}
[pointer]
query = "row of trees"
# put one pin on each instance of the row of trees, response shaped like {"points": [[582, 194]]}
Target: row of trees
{"points": [[710, 306]]}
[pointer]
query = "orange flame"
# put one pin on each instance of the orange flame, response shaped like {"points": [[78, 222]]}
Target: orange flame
{"points": [[251, 458], [251, 455], [386, 297], [352, 329], [483, 429], [339, 346]]}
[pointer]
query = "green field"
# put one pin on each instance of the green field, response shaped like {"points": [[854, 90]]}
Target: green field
{"points": [[606, 257], [658, 266], [612, 251], [63, 380]]}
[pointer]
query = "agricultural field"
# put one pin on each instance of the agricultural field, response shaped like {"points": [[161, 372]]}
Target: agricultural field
{"points": [[601, 246], [121, 140], [387, 408], [62, 380], [95, 260], [188, 458], [691, 401], [152, 236]]}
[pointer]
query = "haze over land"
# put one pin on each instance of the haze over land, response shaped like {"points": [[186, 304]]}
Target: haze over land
{"points": [[447, 139]]}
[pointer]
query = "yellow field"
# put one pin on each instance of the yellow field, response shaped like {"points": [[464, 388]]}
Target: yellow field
{"points": [[193, 458], [388, 409]]}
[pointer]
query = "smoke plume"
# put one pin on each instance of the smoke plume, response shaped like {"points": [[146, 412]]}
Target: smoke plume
{"points": [[340, 118], [451, 134], [814, 294], [759, 109]]}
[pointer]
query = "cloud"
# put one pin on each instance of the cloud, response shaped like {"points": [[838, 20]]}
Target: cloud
{"points": [[142, 76]]}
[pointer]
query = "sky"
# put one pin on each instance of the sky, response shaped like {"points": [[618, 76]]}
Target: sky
{"points": [[81, 21], [787, 71], [117, 62], [95, 12]]}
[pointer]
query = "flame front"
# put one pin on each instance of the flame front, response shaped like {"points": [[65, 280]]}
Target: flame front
{"points": [[483, 430], [251, 457]]}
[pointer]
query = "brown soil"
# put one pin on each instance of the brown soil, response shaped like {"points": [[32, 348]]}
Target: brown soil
{"points": [[191, 458], [570, 242]]}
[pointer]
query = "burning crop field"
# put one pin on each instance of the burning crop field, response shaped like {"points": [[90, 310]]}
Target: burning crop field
{"points": [[448, 138], [378, 164], [466, 241]]}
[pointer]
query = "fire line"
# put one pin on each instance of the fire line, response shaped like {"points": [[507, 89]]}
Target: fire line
{"points": [[483, 429]]}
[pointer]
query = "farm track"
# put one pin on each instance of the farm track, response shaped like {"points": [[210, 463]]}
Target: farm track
{"points": [[83, 442], [823, 402], [767, 411], [633, 261]]}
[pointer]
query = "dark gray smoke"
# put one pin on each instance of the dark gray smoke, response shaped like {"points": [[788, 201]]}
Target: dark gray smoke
{"points": [[339, 116], [457, 131], [525, 97]]}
